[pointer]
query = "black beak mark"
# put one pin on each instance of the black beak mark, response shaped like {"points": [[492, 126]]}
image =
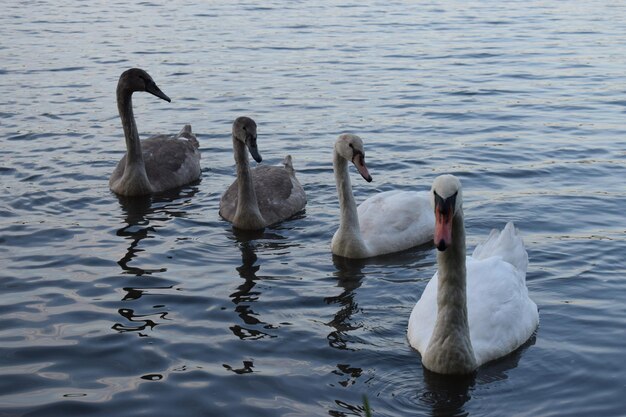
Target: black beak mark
{"points": [[445, 208], [358, 159], [254, 150], [152, 88]]}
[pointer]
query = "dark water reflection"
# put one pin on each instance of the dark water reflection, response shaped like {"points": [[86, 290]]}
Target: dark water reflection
{"points": [[447, 395], [349, 275], [142, 213], [244, 298]]}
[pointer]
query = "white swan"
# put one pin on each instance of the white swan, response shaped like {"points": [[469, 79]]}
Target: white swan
{"points": [[384, 223], [261, 196], [158, 163], [474, 309]]}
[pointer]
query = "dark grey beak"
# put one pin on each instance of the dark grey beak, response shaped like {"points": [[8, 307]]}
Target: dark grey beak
{"points": [[359, 162], [254, 151], [154, 90]]}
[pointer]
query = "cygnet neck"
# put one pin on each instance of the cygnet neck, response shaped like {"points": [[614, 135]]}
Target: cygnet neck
{"points": [[450, 348], [247, 215]]}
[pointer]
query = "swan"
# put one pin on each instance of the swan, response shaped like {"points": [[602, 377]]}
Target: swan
{"points": [[159, 163], [474, 309], [384, 223], [261, 196]]}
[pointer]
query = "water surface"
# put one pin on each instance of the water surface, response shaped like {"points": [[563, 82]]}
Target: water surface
{"points": [[113, 306]]}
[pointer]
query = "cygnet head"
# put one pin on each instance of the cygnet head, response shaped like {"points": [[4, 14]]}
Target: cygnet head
{"points": [[447, 201], [350, 147], [136, 79], [244, 129]]}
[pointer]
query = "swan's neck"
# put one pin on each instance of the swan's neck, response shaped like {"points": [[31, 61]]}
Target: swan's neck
{"points": [[450, 348], [133, 145], [348, 240], [135, 179], [247, 215]]}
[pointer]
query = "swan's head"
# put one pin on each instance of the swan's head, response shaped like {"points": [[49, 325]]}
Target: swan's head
{"points": [[350, 147], [244, 129], [136, 79], [447, 201]]}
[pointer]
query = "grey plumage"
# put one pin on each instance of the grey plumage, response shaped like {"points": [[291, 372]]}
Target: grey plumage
{"points": [[279, 195], [260, 196], [159, 163]]}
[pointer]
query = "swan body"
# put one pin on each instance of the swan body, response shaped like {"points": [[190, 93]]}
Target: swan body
{"points": [[260, 196], [474, 309], [387, 222], [156, 164]]}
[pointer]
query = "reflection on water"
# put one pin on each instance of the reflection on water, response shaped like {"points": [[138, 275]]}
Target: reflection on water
{"points": [[143, 321], [137, 228], [140, 214], [143, 216], [446, 395], [245, 297], [245, 369], [252, 327], [349, 275]]}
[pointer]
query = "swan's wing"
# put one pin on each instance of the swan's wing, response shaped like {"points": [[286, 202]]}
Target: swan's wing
{"points": [[423, 317], [279, 194], [171, 161], [396, 220], [507, 244], [501, 314], [228, 202]]}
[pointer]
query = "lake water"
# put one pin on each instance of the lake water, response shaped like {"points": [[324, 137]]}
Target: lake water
{"points": [[117, 307]]}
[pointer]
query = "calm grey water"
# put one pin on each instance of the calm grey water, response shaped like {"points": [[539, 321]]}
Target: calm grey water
{"points": [[157, 306]]}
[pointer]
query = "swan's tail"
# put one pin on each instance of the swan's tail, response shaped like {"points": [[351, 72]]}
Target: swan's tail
{"points": [[506, 244], [187, 134], [287, 162]]}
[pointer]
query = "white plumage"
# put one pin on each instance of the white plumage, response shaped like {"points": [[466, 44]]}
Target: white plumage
{"points": [[392, 221], [501, 315], [387, 222]]}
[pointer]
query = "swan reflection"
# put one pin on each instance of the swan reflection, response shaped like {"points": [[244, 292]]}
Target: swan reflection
{"points": [[349, 275], [447, 395], [244, 298], [142, 217]]}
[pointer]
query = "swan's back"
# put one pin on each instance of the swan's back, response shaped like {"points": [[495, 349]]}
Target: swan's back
{"points": [[279, 194], [172, 161], [501, 315], [395, 220]]}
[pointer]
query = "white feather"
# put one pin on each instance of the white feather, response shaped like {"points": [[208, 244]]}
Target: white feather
{"points": [[501, 316]]}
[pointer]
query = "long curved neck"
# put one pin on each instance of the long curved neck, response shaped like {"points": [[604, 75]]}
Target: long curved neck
{"points": [[349, 233], [450, 348], [247, 215], [125, 108]]}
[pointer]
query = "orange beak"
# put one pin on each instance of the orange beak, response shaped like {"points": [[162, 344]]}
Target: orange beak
{"points": [[444, 212]]}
